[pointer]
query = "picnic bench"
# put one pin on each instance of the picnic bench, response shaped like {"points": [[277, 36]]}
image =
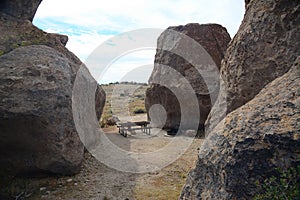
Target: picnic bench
{"points": [[124, 127]]}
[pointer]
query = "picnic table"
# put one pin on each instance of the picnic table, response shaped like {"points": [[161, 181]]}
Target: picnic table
{"points": [[124, 127]]}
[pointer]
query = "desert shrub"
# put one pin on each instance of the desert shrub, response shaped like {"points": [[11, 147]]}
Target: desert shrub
{"points": [[103, 120], [283, 187], [139, 110]]}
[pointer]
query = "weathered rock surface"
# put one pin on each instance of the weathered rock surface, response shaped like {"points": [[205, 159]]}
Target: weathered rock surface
{"points": [[100, 98], [16, 33], [22, 9], [214, 39], [265, 46], [37, 130], [250, 143]]}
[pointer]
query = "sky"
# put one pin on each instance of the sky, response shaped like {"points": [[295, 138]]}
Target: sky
{"points": [[92, 23]]}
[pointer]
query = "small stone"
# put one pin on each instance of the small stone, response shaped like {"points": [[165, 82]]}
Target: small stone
{"points": [[43, 188], [112, 121], [69, 180]]}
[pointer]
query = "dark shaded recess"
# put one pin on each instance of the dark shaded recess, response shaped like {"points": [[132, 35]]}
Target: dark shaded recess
{"points": [[158, 95]]}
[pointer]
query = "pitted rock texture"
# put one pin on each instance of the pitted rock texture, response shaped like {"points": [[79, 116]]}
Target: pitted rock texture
{"points": [[265, 46], [250, 143], [37, 128], [214, 39], [21, 9]]}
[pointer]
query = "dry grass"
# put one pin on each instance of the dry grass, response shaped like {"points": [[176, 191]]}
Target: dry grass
{"points": [[123, 99], [168, 182]]}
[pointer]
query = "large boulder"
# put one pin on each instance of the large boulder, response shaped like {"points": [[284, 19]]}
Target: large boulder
{"points": [[214, 39], [250, 143], [265, 46], [22, 9], [37, 130]]}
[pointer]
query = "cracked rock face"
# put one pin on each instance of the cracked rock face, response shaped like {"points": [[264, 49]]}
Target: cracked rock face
{"points": [[250, 143], [214, 39]]}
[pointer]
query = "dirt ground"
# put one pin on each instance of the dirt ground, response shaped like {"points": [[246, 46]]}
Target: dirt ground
{"points": [[97, 181], [100, 182]]}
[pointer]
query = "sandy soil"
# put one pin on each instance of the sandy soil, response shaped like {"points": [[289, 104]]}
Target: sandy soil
{"points": [[97, 181]]}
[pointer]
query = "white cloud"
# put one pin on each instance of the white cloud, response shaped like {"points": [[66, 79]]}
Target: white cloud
{"points": [[84, 44], [128, 15], [91, 22]]}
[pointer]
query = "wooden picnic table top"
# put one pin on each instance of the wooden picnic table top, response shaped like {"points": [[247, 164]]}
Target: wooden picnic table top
{"points": [[134, 123], [129, 126]]}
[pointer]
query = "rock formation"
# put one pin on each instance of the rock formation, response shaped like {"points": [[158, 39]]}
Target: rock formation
{"points": [[37, 130], [250, 143], [263, 49], [214, 39], [262, 63], [21, 9]]}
